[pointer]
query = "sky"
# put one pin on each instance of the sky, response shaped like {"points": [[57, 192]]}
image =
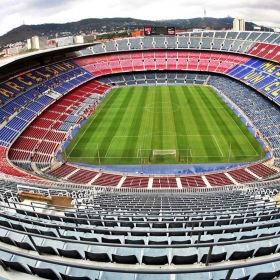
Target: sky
{"points": [[14, 13]]}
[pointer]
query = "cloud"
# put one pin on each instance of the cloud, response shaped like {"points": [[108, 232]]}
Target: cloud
{"points": [[14, 12], [50, 4]]}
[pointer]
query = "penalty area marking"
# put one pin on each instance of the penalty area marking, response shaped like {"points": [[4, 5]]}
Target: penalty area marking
{"points": [[218, 145], [165, 134]]}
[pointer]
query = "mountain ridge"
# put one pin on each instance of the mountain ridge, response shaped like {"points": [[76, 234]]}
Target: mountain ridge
{"points": [[86, 26]]}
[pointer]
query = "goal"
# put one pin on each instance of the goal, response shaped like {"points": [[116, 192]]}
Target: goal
{"points": [[170, 153]]}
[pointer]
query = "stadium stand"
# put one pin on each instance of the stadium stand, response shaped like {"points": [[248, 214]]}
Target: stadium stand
{"points": [[127, 226], [229, 228]]}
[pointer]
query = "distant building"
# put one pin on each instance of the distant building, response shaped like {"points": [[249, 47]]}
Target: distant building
{"points": [[29, 44], [52, 43], [137, 33], [238, 24], [79, 39], [178, 31], [64, 41], [89, 38], [14, 50], [38, 43]]}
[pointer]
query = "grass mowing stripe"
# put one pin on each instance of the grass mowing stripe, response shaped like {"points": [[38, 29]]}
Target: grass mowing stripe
{"points": [[248, 140], [157, 128], [116, 122], [236, 136], [168, 132], [196, 126], [175, 108], [245, 139], [162, 117], [231, 136], [211, 126], [97, 131], [203, 116], [133, 143], [147, 122], [170, 118], [74, 148], [180, 117], [192, 119]]}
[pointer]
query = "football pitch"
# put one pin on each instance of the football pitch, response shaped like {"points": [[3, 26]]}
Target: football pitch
{"points": [[163, 124]]}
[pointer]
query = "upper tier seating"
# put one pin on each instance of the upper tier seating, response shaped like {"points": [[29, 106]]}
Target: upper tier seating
{"points": [[131, 231], [161, 60], [240, 42]]}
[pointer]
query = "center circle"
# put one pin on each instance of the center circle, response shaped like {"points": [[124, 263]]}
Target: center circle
{"points": [[164, 107]]}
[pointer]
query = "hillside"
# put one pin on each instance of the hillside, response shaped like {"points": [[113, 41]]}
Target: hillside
{"points": [[51, 30], [83, 26]]}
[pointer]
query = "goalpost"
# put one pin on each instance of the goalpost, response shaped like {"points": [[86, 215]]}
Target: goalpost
{"points": [[170, 153]]}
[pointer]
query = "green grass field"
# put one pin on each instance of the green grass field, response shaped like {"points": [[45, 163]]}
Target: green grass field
{"points": [[132, 122]]}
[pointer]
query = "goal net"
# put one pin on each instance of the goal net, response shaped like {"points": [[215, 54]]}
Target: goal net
{"points": [[171, 153]]}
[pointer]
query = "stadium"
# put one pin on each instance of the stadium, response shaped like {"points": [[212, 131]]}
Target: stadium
{"points": [[152, 157]]}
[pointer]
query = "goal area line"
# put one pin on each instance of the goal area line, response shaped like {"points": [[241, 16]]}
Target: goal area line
{"points": [[163, 153]]}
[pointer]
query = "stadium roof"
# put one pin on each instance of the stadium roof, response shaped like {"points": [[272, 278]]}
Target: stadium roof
{"points": [[55, 51]]}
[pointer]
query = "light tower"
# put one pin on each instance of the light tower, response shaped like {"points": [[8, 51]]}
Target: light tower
{"points": [[204, 12]]}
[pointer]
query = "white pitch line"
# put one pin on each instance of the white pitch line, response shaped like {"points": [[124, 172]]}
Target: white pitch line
{"points": [[123, 136], [121, 157], [110, 146], [132, 107], [107, 157], [179, 107], [218, 145], [220, 156], [137, 155]]}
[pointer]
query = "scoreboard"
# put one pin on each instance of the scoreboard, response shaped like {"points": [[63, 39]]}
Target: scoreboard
{"points": [[156, 30]]}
